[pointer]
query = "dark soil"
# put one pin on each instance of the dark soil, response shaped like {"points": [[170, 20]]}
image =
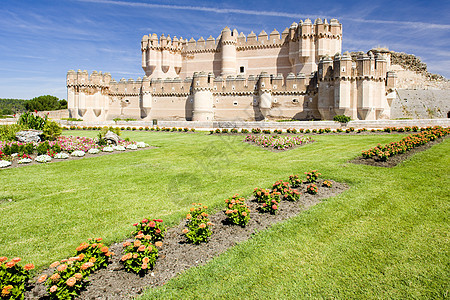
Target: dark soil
{"points": [[396, 159], [14, 163], [177, 256]]}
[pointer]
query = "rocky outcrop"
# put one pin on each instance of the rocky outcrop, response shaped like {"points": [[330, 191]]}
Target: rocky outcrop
{"points": [[29, 136], [112, 137]]}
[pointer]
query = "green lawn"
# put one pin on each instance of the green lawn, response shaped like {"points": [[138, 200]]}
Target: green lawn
{"points": [[387, 237]]}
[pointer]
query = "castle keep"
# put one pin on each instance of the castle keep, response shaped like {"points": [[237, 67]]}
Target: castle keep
{"points": [[300, 74]]}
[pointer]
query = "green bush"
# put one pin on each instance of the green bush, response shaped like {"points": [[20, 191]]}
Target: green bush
{"points": [[43, 147], [8, 132], [51, 130], [341, 118], [30, 121]]}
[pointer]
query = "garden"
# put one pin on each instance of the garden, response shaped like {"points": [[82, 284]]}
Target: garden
{"points": [[378, 218]]}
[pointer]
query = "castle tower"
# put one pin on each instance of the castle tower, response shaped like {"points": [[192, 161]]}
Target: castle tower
{"points": [[203, 98], [228, 42], [343, 104], [265, 94]]}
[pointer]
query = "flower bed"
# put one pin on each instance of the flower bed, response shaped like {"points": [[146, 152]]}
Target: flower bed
{"points": [[382, 153], [277, 142]]}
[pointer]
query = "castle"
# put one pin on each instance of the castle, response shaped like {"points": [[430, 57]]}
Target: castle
{"points": [[299, 74]]}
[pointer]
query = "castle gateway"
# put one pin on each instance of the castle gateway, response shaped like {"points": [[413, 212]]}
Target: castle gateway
{"points": [[300, 74]]}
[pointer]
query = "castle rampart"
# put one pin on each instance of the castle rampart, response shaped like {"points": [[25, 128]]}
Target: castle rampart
{"points": [[298, 74]]}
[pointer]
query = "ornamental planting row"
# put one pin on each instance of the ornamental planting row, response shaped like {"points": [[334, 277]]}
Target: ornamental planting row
{"points": [[61, 148], [382, 153], [128, 128], [318, 131], [66, 279]]}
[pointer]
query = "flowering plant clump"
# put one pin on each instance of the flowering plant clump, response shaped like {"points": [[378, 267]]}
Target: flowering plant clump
{"points": [[280, 186], [93, 151], [26, 159], [312, 176], [198, 224], [43, 158], [62, 155], [139, 256], [152, 230], [312, 189], [70, 275], [261, 195], [294, 181], [13, 278], [271, 205], [382, 153], [291, 194], [108, 149], [141, 145], [118, 148], [277, 142], [78, 153], [237, 211], [4, 163], [327, 183], [132, 147]]}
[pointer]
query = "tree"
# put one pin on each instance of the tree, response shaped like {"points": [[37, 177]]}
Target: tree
{"points": [[46, 102]]}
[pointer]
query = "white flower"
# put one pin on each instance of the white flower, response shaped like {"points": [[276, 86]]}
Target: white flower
{"points": [[4, 163], [108, 149], [43, 158], [132, 146], [61, 155], [24, 160], [119, 148], [93, 151], [141, 144], [78, 153], [14, 155]]}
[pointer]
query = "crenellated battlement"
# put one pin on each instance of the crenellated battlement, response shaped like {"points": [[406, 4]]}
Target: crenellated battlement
{"points": [[298, 73]]}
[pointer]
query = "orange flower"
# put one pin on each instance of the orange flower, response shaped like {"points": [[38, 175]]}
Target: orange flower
{"points": [[192, 208], [124, 257], [55, 264], [82, 246], [126, 244], [86, 265], [145, 260], [92, 259], [61, 268], [3, 258], [99, 239], [188, 216], [185, 230], [140, 236], [28, 267], [210, 224], [78, 276], [81, 256], [71, 281], [205, 207], [158, 244], [141, 248], [53, 289], [204, 214], [73, 258], [137, 243], [64, 260], [10, 264], [148, 237], [104, 249], [135, 255], [42, 278], [202, 225], [144, 266], [5, 290], [55, 277], [244, 213], [16, 259]]}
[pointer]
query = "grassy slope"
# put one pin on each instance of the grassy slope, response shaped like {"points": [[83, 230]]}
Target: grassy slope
{"points": [[386, 237]]}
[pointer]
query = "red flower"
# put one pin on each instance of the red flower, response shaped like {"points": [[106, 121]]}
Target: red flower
{"points": [[152, 224], [159, 220]]}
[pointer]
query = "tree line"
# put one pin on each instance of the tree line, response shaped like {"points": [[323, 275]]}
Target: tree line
{"points": [[41, 103]]}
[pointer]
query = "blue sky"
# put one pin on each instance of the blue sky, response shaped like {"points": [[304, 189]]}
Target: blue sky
{"points": [[41, 40]]}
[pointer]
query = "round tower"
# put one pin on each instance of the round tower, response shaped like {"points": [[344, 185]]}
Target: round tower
{"points": [[203, 98], [228, 41]]}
